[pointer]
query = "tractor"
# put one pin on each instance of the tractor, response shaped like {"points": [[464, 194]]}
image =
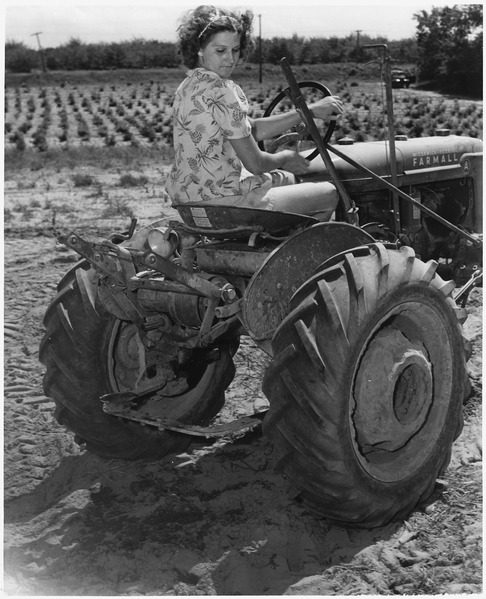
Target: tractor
{"points": [[361, 319]]}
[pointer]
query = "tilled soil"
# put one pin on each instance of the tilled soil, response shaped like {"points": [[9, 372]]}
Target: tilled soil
{"points": [[216, 520]]}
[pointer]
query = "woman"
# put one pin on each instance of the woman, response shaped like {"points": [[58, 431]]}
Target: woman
{"points": [[217, 158]]}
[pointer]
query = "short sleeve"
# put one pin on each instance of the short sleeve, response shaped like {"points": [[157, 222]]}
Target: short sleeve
{"points": [[229, 107]]}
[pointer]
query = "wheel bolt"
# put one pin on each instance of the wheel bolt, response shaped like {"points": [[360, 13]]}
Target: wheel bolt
{"points": [[228, 293]]}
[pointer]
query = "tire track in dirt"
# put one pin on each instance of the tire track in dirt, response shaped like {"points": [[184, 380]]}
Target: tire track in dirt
{"points": [[30, 272]]}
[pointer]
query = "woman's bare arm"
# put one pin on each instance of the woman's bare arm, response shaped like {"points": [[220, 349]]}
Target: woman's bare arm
{"points": [[257, 162], [329, 108]]}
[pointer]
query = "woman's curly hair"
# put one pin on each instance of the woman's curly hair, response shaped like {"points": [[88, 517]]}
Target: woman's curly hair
{"points": [[198, 25]]}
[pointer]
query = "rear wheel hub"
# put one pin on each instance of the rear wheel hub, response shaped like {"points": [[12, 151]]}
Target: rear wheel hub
{"points": [[393, 391]]}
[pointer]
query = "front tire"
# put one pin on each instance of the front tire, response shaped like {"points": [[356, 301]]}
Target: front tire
{"points": [[89, 353], [367, 386]]}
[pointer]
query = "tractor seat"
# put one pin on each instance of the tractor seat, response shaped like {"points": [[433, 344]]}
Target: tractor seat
{"points": [[233, 222]]}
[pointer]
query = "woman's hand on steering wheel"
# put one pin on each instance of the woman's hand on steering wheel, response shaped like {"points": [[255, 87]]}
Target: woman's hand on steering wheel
{"points": [[328, 108], [294, 163]]}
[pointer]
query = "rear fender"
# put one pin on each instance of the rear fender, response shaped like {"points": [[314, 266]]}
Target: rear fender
{"points": [[267, 298]]}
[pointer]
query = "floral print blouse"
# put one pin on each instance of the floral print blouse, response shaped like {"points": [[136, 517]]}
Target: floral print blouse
{"points": [[208, 112]]}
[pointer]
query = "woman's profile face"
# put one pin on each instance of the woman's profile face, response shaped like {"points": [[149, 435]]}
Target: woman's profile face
{"points": [[221, 53]]}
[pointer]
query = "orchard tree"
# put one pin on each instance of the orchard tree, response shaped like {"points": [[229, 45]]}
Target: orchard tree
{"points": [[449, 42], [73, 55], [276, 48], [19, 58]]}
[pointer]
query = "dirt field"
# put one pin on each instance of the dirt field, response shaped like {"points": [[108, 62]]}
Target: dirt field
{"points": [[216, 520]]}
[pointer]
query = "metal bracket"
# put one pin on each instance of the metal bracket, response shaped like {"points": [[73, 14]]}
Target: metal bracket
{"points": [[475, 281], [96, 254], [229, 309], [181, 275], [219, 329], [245, 423], [120, 405], [119, 270]]}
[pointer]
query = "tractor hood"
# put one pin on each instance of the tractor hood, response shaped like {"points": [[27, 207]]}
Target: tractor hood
{"points": [[424, 156]]}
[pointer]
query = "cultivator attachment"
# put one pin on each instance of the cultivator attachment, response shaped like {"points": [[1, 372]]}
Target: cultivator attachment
{"points": [[125, 405]]}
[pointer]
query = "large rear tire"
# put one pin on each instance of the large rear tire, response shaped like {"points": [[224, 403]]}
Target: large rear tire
{"points": [[89, 353], [367, 385]]}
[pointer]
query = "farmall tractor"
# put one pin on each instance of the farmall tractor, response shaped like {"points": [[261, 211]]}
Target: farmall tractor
{"points": [[361, 317]]}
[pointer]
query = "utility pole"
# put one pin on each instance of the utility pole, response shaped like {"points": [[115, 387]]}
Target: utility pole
{"points": [[41, 52], [358, 51], [260, 48]]}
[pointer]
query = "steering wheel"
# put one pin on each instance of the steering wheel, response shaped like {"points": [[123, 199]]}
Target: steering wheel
{"points": [[296, 134]]}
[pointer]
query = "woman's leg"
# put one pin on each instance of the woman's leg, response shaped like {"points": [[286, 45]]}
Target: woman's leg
{"points": [[278, 191], [318, 199]]}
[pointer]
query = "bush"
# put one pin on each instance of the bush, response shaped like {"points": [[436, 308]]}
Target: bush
{"points": [[7, 215], [117, 207], [132, 181], [82, 180], [19, 141], [39, 140], [148, 132]]}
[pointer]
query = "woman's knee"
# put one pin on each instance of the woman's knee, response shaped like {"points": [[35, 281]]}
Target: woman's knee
{"points": [[306, 198]]}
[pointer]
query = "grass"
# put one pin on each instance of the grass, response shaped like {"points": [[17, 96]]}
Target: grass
{"points": [[248, 73], [117, 207], [82, 156], [21, 185]]}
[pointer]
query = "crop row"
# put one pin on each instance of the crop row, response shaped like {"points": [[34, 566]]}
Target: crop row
{"points": [[127, 113]]}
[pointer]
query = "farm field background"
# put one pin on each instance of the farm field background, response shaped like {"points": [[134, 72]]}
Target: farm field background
{"points": [[60, 110], [216, 520]]}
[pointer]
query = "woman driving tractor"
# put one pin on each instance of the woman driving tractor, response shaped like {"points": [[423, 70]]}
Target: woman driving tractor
{"points": [[217, 158]]}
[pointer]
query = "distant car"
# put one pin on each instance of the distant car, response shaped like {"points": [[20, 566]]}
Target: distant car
{"points": [[400, 79]]}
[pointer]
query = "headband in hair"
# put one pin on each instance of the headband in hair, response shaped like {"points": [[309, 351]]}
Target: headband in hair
{"points": [[216, 17]]}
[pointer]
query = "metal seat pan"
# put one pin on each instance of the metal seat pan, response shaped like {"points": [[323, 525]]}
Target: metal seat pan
{"points": [[216, 220]]}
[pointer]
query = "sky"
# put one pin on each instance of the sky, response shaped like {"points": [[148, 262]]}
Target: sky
{"points": [[110, 22]]}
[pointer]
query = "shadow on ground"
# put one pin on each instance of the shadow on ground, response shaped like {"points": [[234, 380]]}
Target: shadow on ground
{"points": [[216, 520]]}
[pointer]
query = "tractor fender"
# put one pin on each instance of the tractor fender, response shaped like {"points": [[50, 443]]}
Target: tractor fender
{"points": [[267, 297]]}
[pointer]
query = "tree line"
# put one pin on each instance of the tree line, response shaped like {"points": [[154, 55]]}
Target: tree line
{"points": [[144, 54], [450, 44], [447, 49]]}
